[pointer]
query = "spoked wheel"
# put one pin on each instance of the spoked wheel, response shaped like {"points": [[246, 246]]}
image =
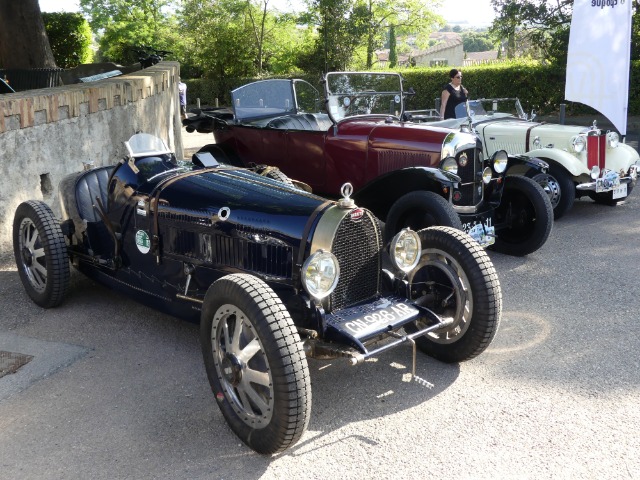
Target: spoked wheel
{"points": [[41, 254], [255, 363], [418, 210], [524, 218], [560, 189], [456, 280]]}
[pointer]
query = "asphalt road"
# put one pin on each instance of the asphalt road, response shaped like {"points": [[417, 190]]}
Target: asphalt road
{"points": [[117, 390]]}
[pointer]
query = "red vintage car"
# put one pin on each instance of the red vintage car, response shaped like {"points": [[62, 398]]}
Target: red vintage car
{"points": [[409, 175]]}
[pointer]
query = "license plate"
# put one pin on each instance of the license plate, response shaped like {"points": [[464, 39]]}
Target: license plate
{"points": [[610, 181], [385, 314], [619, 191], [482, 232]]}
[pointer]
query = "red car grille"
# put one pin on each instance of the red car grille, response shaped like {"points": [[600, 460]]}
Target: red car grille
{"points": [[596, 150]]}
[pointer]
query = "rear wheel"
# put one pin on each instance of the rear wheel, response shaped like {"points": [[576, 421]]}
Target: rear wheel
{"points": [[418, 210], [41, 254], [456, 280], [255, 363], [524, 218], [560, 189]]}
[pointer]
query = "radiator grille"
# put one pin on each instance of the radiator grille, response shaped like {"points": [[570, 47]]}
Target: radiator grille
{"points": [[471, 185], [259, 257], [357, 247]]}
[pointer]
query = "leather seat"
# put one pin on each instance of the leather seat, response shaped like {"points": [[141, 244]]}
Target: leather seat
{"points": [[301, 121], [89, 186]]}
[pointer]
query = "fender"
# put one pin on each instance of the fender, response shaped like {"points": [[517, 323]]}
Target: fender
{"points": [[382, 192], [520, 164], [566, 160]]}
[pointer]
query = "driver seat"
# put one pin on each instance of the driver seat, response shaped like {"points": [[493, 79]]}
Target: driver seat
{"points": [[89, 186]]}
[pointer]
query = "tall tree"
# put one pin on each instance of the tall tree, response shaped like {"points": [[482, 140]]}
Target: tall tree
{"points": [[341, 26], [393, 52], [23, 40]]}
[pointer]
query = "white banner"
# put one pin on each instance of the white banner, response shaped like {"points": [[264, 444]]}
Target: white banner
{"points": [[598, 58]]}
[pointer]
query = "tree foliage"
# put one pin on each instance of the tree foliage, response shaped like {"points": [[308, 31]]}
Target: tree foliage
{"points": [[393, 52], [122, 25], [477, 41], [70, 38], [540, 28], [410, 19]]}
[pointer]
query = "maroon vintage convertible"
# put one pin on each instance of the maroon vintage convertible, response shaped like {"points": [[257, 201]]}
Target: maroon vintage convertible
{"points": [[409, 175]]}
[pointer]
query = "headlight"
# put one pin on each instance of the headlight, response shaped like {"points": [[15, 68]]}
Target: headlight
{"points": [[578, 143], [613, 139], [450, 165], [595, 172], [486, 175], [320, 274], [537, 144], [405, 250], [500, 160]]}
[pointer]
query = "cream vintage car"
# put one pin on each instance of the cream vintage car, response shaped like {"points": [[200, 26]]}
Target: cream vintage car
{"points": [[583, 161]]}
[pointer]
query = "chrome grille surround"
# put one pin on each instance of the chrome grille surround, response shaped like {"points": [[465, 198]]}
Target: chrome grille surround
{"points": [[471, 186], [357, 245]]}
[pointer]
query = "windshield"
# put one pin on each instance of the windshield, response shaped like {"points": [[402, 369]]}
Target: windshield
{"points": [[272, 98], [486, 107], [144, 144], [363, 93]]}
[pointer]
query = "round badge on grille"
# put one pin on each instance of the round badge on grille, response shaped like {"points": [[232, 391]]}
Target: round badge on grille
{"points": [[356, 214], [457, 196], [463, 160]]}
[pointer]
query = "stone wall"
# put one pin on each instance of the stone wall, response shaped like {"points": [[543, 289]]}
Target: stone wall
{"points": [[46, 134]]}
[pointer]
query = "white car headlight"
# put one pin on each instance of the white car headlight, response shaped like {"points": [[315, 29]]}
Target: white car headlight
{"points": [[595, 172], [406, 249], [450, 165], [613, 139], [578, 143], [500, 160], [320, 274]]}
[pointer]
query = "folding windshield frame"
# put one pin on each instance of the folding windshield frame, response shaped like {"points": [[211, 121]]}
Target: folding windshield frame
{"points": [[358, 94]]}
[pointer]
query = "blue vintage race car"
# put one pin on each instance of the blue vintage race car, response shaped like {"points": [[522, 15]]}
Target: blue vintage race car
{"points": [[273, 274]]}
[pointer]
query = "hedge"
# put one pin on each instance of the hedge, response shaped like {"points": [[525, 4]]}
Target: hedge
{"points": [[539, 87]]}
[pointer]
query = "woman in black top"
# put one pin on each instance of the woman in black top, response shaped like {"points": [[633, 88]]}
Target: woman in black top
{"points": [[453, 94]]}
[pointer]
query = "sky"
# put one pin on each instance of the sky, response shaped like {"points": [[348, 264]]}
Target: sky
{"points": [[463, 12]]}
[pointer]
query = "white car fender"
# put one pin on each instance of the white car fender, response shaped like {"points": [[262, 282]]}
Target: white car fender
{"points": [[556, 156]]}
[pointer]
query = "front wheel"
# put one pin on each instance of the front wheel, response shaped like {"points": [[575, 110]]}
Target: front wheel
{"points": [[255, 363], [420, 209], [456, 280], [41, 254], [524, 218], [560, 189]]}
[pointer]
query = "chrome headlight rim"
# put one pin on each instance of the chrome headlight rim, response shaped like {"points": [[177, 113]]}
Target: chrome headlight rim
{"points": [[536, 144], [405, 250], [500, 160], [450, 165], [312, 269], [579, 143], [613, 139], [487, 175]]}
